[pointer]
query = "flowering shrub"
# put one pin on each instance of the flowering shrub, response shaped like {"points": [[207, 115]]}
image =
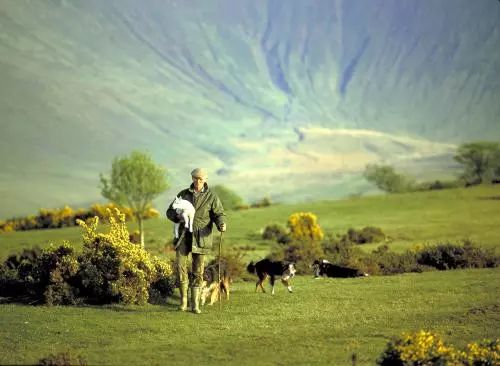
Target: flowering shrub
{"points": [[66, 216], [485, 353], [304, 226], [110, 269], [113, 268], [418, 349], [425, 348]]}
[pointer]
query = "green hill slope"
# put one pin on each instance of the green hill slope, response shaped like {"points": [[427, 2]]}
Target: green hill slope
{"points": [[227, 85]]}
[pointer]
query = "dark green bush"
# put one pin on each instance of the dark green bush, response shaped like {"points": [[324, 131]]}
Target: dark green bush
{"points": [[451, 256], [383, 261], [99, 268], [284, 239], [62, 359], [386, 178], [274, 232], [10, 283], [264, 202], [368, 234], [48, 276], [342, 252], [26, 255], [163, 287], [16, 273], [390, 263], [55, 275], [232, 263], [439, 184]]}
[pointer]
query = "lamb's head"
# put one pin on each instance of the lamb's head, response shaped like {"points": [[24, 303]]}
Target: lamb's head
{"points": [[177, 203]]}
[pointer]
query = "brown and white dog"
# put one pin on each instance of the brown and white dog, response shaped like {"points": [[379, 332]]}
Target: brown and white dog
{"points": [[267, 268], [211, 288]]}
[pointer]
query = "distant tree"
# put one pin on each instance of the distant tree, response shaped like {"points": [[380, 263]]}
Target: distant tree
{"points": [[386, 178], [263, 202], [230, 200], [135, 181], [480, 160]]}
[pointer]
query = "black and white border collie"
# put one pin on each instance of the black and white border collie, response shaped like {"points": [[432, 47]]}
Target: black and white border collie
{"points": [[324, 268], [267, 268]]}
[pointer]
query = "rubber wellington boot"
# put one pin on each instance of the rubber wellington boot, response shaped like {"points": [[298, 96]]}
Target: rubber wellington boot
{"points": [[183, 289], [195, 300]]}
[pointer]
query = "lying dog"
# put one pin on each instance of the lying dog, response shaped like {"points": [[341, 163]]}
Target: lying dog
{"points": [[325, 268], [212, 288], [267, 268]]}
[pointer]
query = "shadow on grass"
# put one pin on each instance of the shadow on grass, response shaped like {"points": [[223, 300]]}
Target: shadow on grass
{"points": [[169, 305], [20, 300], [150, 308], [496, 198]]}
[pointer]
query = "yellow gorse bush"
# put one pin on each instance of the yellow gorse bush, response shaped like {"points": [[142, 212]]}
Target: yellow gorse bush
{"points": [[66, 216], [101, 211], [304, 226], [425, 348], [135, 268], [486, 352]]}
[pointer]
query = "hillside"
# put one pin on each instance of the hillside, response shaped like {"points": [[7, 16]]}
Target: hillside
{"points": [[236, 87]]}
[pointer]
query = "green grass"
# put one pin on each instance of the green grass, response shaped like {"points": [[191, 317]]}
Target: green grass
{"points": [[322, 322]]}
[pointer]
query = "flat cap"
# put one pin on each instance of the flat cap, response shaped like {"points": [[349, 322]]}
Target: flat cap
{"points": [[199, 173]]}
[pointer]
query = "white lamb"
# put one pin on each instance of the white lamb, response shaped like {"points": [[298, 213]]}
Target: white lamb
{"points": [[186, 209]]}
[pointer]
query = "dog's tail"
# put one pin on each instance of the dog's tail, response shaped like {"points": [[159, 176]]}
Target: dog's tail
{"points": [[251, 268]]}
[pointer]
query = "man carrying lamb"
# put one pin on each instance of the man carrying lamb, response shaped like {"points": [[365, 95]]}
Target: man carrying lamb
{"points": [[208, 211]]}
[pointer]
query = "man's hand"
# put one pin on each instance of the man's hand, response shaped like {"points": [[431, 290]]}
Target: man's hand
{"points": [[222, 227]]}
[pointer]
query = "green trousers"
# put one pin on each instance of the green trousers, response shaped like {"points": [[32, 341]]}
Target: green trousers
{"points": [[181, 261]]}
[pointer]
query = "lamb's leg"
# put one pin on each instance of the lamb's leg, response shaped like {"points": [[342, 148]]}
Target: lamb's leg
{"points": [[186, 218], [191, 219], [176, 231]]}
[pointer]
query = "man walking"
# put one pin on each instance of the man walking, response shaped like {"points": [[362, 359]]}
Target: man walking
{"points": [[208, 211]]}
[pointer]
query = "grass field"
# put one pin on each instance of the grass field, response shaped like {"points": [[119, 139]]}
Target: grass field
{"points": [[322, 322]]}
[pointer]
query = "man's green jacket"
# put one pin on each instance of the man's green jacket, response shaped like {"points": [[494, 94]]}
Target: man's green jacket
{"points": [[208, 211]]}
